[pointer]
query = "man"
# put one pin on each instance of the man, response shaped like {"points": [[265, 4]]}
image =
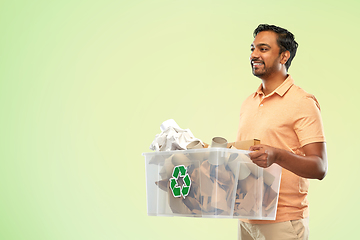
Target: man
{"points": [[287, 121]]}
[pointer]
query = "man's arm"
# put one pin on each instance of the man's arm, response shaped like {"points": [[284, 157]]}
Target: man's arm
{"points": [[312, 165]]}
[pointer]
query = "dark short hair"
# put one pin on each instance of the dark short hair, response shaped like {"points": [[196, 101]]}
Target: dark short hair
{"points": [[286, 40]]}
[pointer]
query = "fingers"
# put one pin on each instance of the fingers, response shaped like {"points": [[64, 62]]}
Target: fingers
{"points": [[259, 156], [256, 147], [254, 155], [261, 161], [258, 150]]}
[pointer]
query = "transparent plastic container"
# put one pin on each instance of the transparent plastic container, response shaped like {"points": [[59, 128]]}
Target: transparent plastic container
{"points": [[210, 182]]}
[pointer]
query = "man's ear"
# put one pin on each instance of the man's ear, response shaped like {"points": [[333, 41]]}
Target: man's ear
{"points": [[284, 57]]}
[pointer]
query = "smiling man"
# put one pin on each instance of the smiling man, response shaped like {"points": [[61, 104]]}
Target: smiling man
{"points": [[287, 120]]}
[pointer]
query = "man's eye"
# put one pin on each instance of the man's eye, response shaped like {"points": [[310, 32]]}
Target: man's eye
{"points": [[263, 49], [252, 49]]}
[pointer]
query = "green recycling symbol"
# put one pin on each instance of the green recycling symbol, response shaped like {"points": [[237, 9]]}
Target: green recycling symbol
{"points": [[179, 172]]}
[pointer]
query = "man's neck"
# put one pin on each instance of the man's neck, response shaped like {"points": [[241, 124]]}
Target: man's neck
{"points": [[271, 83]]}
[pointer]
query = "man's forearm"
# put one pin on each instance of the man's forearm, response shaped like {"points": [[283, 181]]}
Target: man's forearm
{"points": [[312, 165], [304, 166]]}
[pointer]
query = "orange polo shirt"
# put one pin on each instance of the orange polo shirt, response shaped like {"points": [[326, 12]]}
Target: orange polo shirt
{"points": [[288, 118]]}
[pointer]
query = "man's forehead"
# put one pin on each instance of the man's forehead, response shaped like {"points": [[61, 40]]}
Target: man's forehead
{"points": [[265, 38]]}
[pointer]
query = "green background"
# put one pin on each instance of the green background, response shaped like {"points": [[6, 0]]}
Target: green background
{"points": [[85, 85]]}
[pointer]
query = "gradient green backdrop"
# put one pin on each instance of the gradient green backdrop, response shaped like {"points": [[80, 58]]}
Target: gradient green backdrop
{"points": [[85, 85]]}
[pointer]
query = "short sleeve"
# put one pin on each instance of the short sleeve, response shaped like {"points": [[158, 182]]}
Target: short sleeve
{"points": [[308, 123]]}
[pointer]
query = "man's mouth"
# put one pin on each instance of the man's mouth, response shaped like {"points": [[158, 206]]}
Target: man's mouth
{"points": [[256, 64]]}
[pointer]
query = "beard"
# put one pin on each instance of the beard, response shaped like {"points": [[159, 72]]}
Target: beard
{"points": [[263, 71]]}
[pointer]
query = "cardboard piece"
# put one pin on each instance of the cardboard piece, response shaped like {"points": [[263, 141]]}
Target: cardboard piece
{"points": [[166, 171], [215, 158], [268, 178], [157, 159], [219, 142], [241, 145], [258, 189], [180, 159], [218, 199], [270, 197], [223, 176], [253, 168], [244, 145], [248, 202], [177, 205], [247, 184], [205, 180], [163, 184], [195, 145], [197, 156], [192, 203], [237, 167]]}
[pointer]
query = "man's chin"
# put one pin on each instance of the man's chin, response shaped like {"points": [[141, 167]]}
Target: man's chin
{"points": [[258, 74]]}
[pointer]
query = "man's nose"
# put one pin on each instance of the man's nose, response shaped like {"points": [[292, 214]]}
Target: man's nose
{"points": [[254, 54]]}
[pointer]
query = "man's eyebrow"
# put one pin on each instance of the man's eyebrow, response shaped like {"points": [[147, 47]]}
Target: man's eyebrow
{"points": [[260, 45], [263, 44]]}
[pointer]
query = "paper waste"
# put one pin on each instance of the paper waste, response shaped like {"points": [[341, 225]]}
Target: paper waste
{"points": [[172, 137]]}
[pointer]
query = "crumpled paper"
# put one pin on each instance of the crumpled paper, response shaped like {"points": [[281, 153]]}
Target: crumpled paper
{"points": [[172, 137]]}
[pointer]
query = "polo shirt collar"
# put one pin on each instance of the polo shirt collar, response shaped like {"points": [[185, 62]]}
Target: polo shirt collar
{"points": [[281, 90]]}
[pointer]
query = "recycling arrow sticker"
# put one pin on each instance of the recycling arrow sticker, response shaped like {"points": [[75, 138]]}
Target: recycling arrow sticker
{"points": [[180, 182]]}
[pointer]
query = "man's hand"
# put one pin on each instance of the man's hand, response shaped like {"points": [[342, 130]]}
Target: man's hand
{"points": [[264, 155]]}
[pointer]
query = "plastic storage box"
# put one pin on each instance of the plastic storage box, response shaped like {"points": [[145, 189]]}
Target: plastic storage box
{"points": [[210, 182]]}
